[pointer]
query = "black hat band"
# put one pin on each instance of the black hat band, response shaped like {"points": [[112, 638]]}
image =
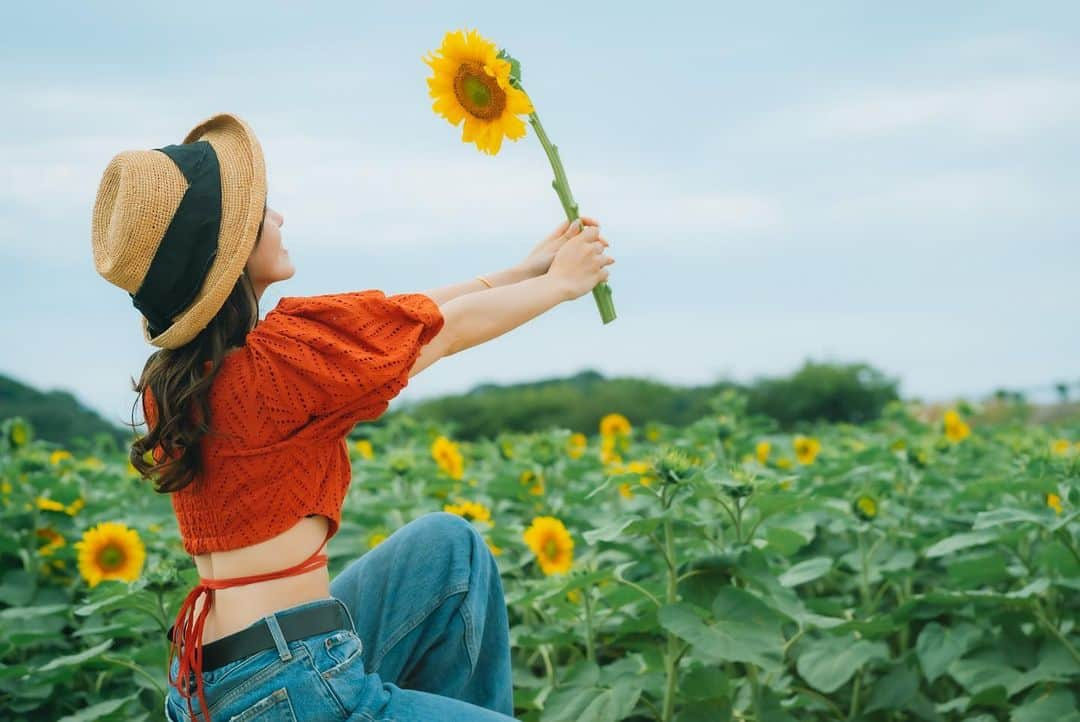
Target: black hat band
{"points": [[190, 243]]}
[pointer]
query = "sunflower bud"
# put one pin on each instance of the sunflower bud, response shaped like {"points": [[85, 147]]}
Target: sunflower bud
{"points": [[739, 485], [162, 576], [18, 433], [918, 458], [725, 428], [543, 451], [674, 465], [865, 507], [400, 463]]}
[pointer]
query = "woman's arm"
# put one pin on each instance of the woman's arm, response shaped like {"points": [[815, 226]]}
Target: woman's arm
{"points": [[506, 277], [476, 318]]}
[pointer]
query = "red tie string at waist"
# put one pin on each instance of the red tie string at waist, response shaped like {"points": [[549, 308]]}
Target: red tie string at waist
{"points": [[189, 632]]}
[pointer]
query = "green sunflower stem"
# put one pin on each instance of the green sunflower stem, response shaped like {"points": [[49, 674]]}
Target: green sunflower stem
{"points": [[590, 650], [601, 291], [671, 653]]}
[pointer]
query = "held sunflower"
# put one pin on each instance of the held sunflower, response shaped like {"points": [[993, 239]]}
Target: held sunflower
{"points": [[472, 83], [480, 84]]}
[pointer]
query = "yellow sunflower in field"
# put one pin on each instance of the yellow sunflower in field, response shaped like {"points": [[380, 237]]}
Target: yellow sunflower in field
{"points": [[640, 467], [59, 455], [762, 451], [47, 504], [552, 544], [538, 486], [576, 445], [448, 456], [471, 83], [615, 424], [806, 449], [956, 429], [110, 550], [364, 449], [53, 540], [609, 455], [471, 510]]}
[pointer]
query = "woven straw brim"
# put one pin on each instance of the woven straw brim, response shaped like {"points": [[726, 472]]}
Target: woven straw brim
{"points": [[243, 200]]}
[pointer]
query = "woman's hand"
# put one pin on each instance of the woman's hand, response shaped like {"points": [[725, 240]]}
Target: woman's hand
{"points": [[539, 259], [580, 264]]}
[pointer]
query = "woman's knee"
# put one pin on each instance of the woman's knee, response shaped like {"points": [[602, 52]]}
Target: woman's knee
{"points": [[442, 527]]}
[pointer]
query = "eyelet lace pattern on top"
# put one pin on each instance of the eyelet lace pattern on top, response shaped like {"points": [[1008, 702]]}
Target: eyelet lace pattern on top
{"points": [[282, 406]]}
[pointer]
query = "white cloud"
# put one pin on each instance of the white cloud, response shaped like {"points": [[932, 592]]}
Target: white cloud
{"points": [[344, 192], [992, 108], [958, 194]]}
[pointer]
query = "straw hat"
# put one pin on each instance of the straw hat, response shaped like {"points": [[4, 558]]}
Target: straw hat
{"points": [[174, 226]]}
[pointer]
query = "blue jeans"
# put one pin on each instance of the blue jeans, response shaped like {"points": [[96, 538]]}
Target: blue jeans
{"points": [[430, 642]]}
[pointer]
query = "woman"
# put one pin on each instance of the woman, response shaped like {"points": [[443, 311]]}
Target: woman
{"points": [[416, 628]]}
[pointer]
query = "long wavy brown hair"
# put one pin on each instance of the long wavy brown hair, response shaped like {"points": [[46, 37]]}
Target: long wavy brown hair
{"points": [[181, 391]]}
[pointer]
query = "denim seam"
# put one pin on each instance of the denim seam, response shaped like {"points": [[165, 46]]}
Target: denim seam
{"points": [[470, 628], [329, 690], [341, 705], [284, 692], [262, 675], [415, 620], [341, 665]]}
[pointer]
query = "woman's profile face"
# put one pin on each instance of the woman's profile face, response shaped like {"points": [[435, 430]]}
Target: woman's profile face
{"points": [[269, 260]]}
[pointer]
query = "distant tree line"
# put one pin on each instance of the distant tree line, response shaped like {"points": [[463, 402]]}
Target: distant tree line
{"points": [[852, 393], [832, 392]]}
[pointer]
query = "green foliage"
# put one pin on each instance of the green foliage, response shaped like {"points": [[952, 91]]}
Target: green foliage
{"points": [[852, 393], [709, 580]]}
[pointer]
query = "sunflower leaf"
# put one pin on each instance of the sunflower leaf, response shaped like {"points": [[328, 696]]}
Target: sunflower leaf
{"points": [[97, 711], [515, 68], [77, 658], [102, 604]]}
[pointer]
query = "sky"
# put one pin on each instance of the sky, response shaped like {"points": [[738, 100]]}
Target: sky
{"points": [[891, 183]]}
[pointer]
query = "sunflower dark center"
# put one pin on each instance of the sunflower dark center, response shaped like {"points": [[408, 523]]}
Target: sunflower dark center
{"points": [[478, 92], [110, 557], [551, 549]]}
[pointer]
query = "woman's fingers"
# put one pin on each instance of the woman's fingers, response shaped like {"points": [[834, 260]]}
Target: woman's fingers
{"points": [[565, 225]]}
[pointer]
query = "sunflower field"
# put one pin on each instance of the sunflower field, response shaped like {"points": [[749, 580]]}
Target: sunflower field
{"points": [[906, 569]]}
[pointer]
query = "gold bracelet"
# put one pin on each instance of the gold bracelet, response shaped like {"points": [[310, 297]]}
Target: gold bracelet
{"points": [[485, 282]]}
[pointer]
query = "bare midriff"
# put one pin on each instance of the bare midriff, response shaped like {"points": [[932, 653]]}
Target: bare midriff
{"points": [[235, 608]]}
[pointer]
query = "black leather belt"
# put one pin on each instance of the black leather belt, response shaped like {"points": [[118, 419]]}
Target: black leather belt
{"points": [[295, 625]]}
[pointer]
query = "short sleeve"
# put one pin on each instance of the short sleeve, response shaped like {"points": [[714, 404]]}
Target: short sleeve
{"points": [[334, 359]]}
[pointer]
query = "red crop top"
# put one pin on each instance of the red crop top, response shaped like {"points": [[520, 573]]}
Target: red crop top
{"points": [[281, 407]]}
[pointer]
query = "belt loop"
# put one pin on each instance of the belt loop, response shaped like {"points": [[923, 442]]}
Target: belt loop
{"points": [[279, 637], [348, 614]]}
